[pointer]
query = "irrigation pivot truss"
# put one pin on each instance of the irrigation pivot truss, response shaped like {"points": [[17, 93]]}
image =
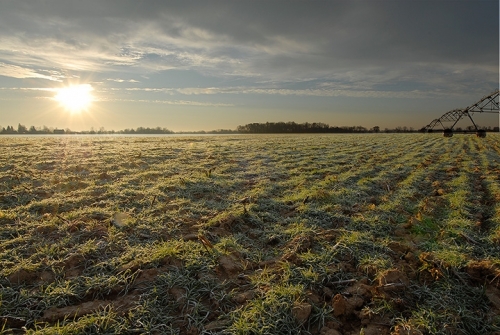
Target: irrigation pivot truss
{"points": [[488, 104]]}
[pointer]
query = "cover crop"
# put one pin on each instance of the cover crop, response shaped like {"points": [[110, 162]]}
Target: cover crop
{"points": [[263, 234]]}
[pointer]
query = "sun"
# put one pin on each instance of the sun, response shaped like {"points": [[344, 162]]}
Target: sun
{"points": [[75, 98]]}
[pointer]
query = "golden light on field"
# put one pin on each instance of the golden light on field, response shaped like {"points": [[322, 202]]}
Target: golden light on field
{"points": [[75, 98]]}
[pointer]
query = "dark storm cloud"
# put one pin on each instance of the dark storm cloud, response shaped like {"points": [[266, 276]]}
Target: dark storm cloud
{"points": [[361, 43]]}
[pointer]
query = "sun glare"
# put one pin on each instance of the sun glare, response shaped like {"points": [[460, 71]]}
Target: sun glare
{"points": [[75, 98]]}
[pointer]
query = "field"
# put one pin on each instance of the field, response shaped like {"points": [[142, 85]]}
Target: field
{"points": [[272, 234]]}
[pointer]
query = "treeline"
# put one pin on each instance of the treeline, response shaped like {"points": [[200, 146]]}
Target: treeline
{"points": [[292, 127], [144, 130], [158, 130], [21, 129], [251, 128]]}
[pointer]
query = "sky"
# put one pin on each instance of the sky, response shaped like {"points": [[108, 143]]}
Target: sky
{"points": [[205, 65]]}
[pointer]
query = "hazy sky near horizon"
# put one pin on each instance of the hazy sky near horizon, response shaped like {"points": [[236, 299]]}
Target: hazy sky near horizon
{"points": [[204, 65]]}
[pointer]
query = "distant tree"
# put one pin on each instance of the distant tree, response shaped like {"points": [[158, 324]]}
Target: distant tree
{"points": [[32, 130], [146, 130], [21, 129], [376, 129], [360, 129]]}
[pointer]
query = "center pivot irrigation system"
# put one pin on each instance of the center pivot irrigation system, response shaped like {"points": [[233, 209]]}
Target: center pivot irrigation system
{"points": [[488, 104]]}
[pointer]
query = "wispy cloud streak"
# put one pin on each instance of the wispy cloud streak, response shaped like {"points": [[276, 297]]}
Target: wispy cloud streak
{"points": [[14, 71]]}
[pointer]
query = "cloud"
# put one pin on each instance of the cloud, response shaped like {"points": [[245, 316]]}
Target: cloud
{"points": [[118, 80], [47, 89], [364, 45], [326, 89], [172, 102], [340, 91], [14, 71]]}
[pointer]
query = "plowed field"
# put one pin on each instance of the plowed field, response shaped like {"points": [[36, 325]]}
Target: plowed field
{"points": [[275, 234]]}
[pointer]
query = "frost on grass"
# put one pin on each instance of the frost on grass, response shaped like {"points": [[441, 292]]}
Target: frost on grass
{"points": [[373, 234]]}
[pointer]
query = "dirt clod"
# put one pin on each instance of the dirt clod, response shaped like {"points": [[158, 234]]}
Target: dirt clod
{"points": [[244, 296], [22, 276], [376, 329], [339, 304], [229, 265], [393, 276], [301, 311], [13, 322], [329, 331], [481, 271], [343, 306], [121, 305]]}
